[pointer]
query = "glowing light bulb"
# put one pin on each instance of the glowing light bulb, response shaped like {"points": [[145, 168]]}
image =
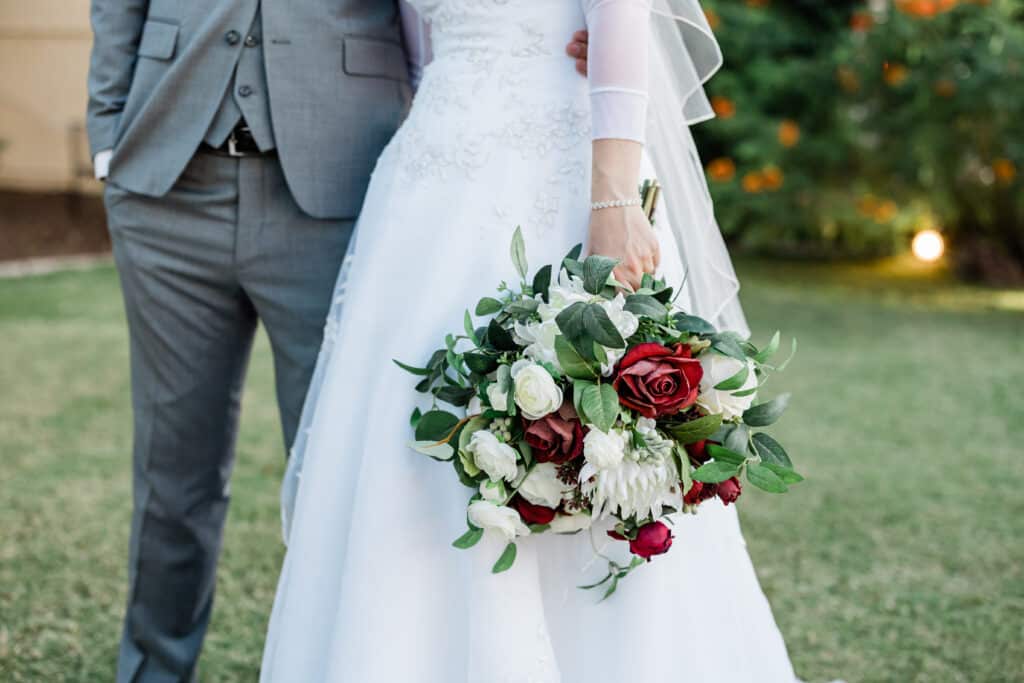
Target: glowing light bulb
{"points": [[928, 246]]}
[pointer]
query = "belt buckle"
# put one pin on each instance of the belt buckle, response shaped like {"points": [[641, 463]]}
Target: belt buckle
{"points": [[233, 146]]}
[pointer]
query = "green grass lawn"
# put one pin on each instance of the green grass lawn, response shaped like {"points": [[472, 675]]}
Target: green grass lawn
{"points": [[900, 559]]}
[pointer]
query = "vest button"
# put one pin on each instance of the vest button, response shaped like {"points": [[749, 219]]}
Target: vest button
{"points": [[232, 37], [245, 91], [251, 41]]}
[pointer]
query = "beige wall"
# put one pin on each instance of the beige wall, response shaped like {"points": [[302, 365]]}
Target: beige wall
{"points": [[44, 55]]}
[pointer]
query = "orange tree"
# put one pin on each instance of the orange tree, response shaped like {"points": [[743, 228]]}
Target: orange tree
{"points": [[936, 89]]}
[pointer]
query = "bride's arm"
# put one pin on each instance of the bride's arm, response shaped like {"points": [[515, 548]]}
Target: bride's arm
{"points": [[618, 68], [417, 42]]}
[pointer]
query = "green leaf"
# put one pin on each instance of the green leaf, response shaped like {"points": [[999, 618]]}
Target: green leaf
{"points": [[764, 479], [438, 451], [769, 351], [542, 282], [518, 250], [481, 363], [572, 361], [765, 414], [573, 267], [499, 337], [523, 307], [422, 372], [487, 306], [736, 381], [695, 430], [785, 474], [727, 345], [646, 306], [596, 270], [715, 472], [792, 354], [726, 455], [574, 253], [415, 417], [693, 324], [435, 425], [570, 321], [456, 396], [506, 560], [578, 387], [539, 528], [771, 451], [600, 403], [599, 326], [467, 325], [468, 539]]}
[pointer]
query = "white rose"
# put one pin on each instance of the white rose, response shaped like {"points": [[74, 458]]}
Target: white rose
{"points": [[535, 390], [542, 486], [568, 524], [497, 398], [493, 491], [718, 368], [500, 518], [494, 457], [604, 451]]}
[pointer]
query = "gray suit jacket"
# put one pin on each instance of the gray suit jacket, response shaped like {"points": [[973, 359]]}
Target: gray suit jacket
{"points": [[336, 79]]}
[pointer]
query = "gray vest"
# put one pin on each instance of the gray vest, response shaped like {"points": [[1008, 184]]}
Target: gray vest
{"points": [[328, 92], [246, 95]]}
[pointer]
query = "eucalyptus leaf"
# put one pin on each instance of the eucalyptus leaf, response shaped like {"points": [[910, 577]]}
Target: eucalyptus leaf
{"points": [[467, 324], [415, 417], [481, 363], [438, 451], [693, 324], [728, 346], [728, 455], [506, 560], [736, 381], [764, 479], [518, 251], [771, 451], [738, 439], [456, 396], [769, 351], [468, 539], [487, 306], [422, 372], [574, 253], [435, 425], [765, 414], [715, 472], [542, 282], [695, 430], [784, 473], [500, 338]]}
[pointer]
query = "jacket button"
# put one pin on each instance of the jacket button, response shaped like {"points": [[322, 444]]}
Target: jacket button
{"points": [[245, 91], [251, 41], [232, 37]]}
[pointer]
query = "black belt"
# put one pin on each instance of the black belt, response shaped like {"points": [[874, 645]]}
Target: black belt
{"points": [[240, 143]]}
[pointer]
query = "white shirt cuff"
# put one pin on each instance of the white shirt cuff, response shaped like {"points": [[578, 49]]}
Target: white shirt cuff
{"points": [[619, 113], [101, 164]]}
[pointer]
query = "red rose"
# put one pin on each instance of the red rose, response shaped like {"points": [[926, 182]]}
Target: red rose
{"points": [[698, 452], [652, 539], [557, 437], [532, 514], [655, 380], [729, 490], [700, 492]]}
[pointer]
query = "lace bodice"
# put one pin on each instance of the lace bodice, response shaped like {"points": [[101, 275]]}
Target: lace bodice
{"points": [[514, 33]]}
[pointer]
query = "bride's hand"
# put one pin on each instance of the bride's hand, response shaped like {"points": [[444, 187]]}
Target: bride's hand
{"points": [[621, 232], [625, 233]]}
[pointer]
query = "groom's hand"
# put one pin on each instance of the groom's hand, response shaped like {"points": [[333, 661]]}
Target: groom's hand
{"points": [[577, 49]]}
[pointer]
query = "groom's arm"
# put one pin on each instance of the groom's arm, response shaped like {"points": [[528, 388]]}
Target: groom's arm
{"points": [[117, 29]]}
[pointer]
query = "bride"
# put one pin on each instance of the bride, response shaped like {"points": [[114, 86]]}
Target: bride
{"points": [[503, 132]]}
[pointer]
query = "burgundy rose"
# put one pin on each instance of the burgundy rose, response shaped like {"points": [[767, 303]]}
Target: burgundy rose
{"points": [[532, 514], [652, 539], [655, 380], [616, 535], [698, 452], [557, 437], [700, 492], [729, 490]]}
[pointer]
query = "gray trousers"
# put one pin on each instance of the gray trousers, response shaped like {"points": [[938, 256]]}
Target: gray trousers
{"points": [[199, 267]]}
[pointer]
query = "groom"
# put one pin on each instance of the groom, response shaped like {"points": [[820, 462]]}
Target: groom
{"points": [[237, 140]]}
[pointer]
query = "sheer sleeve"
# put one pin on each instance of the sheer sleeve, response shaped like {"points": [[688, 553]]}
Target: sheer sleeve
{"points": [[618, 67], [417, 41]]}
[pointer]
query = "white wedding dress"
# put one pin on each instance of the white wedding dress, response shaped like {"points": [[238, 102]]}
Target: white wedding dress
{"points": [[371, 590]]}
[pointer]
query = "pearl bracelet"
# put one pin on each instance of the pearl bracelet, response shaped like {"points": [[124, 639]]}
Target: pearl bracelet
{"points": [[614, 204]]}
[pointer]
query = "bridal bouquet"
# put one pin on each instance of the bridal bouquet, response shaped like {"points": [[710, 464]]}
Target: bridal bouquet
{"points": [[581, 402]]}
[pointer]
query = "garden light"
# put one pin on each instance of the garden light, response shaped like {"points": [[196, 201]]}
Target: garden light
{"points": [[928, 246]]}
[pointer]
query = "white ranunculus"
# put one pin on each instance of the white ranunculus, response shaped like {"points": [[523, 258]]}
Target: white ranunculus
{"points": [[493, 491], [718, 368], [497, 398], [568, 524], [542, 486], [500, 518], [604, 450], [535, 390], [539, 340], [494, 457]]}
